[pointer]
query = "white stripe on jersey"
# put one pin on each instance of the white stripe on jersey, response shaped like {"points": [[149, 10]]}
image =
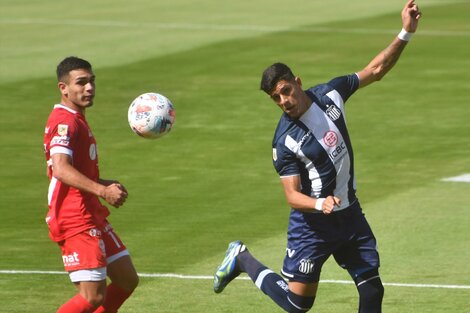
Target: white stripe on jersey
{"points": [[313, 174], [52, 185], [336, 98], [320, 125]]}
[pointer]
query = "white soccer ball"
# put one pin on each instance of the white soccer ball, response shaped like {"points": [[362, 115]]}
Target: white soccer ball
{"points": [[151, 115]]}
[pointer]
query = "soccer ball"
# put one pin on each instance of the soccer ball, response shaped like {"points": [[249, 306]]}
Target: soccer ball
{"points": [[151, 115]]}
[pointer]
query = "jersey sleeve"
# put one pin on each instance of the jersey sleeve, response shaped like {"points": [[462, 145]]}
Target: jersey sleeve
{"points": [[285, 161], [345, 85], [63, 136]]}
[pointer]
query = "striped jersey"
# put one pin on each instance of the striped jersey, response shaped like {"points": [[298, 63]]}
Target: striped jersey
{"points": [[317, 146]]}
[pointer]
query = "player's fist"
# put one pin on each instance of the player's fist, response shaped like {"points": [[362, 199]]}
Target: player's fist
{"points": [[330, 203], [410, 16], [115, 194]]}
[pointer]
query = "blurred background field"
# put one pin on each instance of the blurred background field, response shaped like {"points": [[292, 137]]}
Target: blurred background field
{"points": [[211, 181]]}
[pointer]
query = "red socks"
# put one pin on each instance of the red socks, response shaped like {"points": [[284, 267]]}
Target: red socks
{"points": [[115, 297], [77, 304]]}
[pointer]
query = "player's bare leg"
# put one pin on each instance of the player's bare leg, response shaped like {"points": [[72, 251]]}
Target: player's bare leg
{"points": [[92, 291], [90, 295], [124, 280], [303, 289], [122, 273]]}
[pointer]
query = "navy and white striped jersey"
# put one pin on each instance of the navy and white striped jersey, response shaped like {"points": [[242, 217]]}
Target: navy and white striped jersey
{"points": [[317, 146]]}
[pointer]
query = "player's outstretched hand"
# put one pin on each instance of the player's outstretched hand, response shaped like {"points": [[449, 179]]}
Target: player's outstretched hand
{"points": [[410, 16], [115, 194], [330, 203]]}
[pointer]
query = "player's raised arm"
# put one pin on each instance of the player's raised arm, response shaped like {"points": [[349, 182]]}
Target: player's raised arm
{"points": [[385, 60]]}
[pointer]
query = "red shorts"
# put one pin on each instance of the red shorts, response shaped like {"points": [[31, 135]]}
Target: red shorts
{"points": [[91, 249]]}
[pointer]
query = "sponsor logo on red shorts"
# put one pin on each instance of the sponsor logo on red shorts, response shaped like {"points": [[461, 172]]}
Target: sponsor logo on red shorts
{"points": [[71, 259]]}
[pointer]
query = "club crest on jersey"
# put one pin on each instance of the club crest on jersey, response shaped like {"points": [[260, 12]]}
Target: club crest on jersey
{"points": [[62, 129], [333, 112], [306, 266]]}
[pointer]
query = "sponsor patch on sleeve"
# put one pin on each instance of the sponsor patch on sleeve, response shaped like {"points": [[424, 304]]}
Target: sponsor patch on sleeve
{"points": [[62, 129], [60, 140]]}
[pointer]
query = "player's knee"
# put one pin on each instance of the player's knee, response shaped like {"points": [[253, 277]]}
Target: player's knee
{"points": [[95, 299], [129, 282], [93, 292], [371, 291], [133, 282], [299, 304]]}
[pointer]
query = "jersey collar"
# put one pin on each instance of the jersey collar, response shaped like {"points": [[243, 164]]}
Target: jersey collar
{"points": [[61, 106]]}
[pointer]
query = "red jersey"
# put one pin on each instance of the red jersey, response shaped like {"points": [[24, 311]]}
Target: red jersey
{"points": [[71, 211]]}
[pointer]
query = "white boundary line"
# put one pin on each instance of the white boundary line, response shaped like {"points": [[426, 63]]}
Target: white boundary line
{"points": [[180, 276], [464, 178], [220, 27]]}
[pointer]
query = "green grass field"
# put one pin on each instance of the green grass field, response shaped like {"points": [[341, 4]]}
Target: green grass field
{"points": [[211, 181]]}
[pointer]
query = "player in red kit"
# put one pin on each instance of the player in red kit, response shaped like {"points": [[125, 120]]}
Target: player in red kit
{"points": [[76, 218]]}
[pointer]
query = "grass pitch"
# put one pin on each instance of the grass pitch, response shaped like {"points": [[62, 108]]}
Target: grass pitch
{"points": [[210, 180]]}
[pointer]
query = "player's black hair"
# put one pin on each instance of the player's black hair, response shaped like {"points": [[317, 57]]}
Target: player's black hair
{"points": [[69, 64], [273, 74]]}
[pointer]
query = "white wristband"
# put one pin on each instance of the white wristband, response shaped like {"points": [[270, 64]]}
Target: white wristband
{"points": [[319, 204], [404, 35]]}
